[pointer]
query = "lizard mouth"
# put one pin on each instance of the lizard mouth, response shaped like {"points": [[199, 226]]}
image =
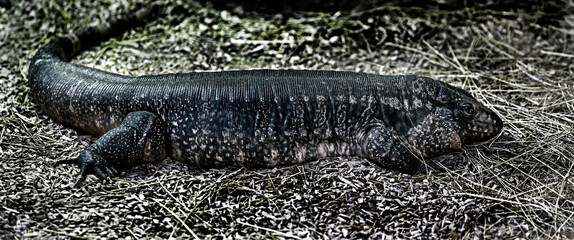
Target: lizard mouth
{"points": [[483, 127]]}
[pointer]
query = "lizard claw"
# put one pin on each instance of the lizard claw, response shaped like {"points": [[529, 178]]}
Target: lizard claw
{"points": [[90, 163], [79, 180], [67, 161]]}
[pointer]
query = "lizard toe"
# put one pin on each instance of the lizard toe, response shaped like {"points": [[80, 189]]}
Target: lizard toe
{"points": [[67, 161]]}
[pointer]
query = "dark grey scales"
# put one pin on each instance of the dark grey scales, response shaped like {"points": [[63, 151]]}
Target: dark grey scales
{"points": [[257, 118]]}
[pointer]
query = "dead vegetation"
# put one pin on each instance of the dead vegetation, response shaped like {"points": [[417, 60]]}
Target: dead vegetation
{"points": [[516, 59]]}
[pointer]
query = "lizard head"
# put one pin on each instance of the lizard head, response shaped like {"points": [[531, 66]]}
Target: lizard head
{"points": [[456, 119], [474, 121]]}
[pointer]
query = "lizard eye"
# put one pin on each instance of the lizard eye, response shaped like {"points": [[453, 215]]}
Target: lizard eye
{"points": [[468, 109]]}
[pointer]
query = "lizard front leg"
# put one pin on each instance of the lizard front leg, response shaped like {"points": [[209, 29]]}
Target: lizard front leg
{"points": [[140, 138], [383, 147]]}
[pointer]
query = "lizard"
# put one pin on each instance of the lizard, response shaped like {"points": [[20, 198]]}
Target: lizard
{"points": [[249, 118]]}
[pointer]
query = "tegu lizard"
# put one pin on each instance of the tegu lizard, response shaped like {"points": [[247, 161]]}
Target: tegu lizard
{"points": [[250, 118]]}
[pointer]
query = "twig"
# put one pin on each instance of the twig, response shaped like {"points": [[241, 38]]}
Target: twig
{"points": [[178, 219]]}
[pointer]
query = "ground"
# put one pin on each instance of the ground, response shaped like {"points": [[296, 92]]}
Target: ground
{"points": [[516, 58]]}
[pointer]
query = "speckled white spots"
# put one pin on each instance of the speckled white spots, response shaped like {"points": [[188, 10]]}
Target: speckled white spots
{"points": [[433, 136], [267, 118], [352, 99], [417, 103], [406, 104], [392, 102]]}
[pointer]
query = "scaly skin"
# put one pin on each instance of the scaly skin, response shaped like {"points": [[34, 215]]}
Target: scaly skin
{"points": [[257, 118]]}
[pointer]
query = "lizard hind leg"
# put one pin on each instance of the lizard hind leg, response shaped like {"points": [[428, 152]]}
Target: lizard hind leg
{"points": [[384, 148], [139, 138]]}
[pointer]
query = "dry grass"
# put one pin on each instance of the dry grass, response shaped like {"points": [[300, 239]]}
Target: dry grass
{"points": [[518, 61]]}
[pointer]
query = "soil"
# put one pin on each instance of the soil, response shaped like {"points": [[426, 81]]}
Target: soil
{"points": [[517, 58]]}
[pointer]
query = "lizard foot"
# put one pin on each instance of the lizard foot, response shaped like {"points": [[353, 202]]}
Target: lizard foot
{"points": [[90, 163]]}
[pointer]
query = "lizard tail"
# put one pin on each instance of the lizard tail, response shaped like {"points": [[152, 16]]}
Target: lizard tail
{"points": [[57, 86], [65, 47]]}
